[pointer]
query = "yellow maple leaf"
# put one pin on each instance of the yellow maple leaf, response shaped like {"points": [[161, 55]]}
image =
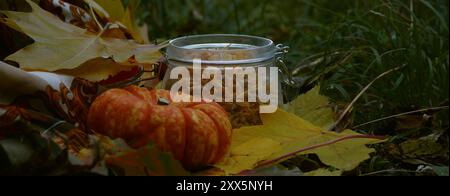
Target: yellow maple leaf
{"points": [[248, 154], [314, 108], [62, 46], [283, 134]]}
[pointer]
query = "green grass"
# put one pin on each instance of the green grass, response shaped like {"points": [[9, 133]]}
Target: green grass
{"points": [[375, 35]]}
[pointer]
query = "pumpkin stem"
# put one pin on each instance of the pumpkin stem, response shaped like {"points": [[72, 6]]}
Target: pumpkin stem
{"points": [[163, 101]]}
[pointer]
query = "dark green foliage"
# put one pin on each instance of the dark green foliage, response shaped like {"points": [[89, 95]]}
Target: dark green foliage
{"points": [[375, 36], [343, 45]]}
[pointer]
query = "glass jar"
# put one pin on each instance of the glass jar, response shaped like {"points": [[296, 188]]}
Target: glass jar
{"points": [[222, 51]]}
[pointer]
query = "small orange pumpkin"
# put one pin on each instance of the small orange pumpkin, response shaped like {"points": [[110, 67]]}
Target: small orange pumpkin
{"points": [[197, 134]]}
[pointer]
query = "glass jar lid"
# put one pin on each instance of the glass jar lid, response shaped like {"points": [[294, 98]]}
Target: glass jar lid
{"points": [[222, 49]]}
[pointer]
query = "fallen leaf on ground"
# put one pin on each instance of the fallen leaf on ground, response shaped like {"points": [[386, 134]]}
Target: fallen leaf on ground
{"points": [[283, 134], [314, 108], [147, 161], [324, 172], [246, 155], [422, 149]]}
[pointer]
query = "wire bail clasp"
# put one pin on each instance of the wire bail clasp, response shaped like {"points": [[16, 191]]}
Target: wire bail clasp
{"points": [[280, 56]]}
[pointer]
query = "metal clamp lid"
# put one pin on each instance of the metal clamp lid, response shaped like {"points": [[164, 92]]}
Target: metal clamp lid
{"points": [[222, 49]]}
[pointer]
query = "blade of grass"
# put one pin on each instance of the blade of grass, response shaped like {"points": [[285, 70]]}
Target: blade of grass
{"points": [[402, 114], [350, 106]]}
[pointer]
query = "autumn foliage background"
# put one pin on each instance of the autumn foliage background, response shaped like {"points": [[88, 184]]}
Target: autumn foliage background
{"points": [[341, 46]]}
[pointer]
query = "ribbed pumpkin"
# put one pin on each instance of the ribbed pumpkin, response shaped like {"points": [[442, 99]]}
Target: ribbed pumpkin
{"points": [[197, 134]]}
